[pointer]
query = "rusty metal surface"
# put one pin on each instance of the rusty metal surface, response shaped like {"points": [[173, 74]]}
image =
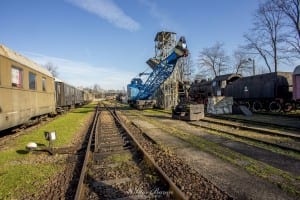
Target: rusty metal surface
{"points": [[79, 190]]}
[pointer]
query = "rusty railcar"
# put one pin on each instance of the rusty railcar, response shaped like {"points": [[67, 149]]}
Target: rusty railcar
{"points": [[26, 90], [67, 96], [79, 97]]}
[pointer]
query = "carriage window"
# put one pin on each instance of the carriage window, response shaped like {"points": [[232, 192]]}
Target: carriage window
{"points": [[16, 77], [44, 84], [32, 81]]}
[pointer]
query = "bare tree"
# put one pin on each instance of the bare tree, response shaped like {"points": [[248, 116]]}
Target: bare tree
{"points": [[267, 36], [213, 60], [261, 70], [53, 69], [187, 68], [291, 11], [97, 88], [98, 91], [242, 63]]}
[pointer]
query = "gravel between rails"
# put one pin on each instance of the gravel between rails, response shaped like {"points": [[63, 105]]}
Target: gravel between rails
{"points": [[118, 170]]}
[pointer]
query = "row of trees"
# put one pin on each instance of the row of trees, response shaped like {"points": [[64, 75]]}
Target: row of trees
{"points": [[274, 39]]}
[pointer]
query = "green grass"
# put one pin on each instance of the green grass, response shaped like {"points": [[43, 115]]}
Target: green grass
{"points": [[120, 158], [19, 172], [19, 179], [158, 111]]}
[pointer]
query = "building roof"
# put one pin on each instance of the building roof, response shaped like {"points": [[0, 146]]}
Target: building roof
{"points": [[8, 53]]}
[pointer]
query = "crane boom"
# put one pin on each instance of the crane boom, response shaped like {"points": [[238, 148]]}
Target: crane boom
{"points": [[161, 72]]}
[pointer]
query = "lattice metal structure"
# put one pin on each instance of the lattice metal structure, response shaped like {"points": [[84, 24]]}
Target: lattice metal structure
{"points": [[161, 72], [142, 95], [167, 94], [164, 43]]}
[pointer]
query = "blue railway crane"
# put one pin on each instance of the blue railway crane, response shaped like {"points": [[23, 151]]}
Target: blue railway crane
{"points": [[139, 94]]}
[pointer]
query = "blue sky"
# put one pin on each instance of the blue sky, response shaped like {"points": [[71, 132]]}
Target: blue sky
{"points": [[108, 41]]}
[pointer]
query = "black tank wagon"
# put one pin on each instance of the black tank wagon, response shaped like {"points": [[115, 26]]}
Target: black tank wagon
{"points": [[271, 91]]}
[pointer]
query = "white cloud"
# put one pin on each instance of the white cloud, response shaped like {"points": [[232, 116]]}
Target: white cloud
{"points": [[108, 10], [83, 74], [164, 21]]}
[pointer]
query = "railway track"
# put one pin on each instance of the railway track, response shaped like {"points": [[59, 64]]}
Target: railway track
{"points": [[121, 163], [278, 135], [265, 123], [287, 140], [119, 170], [264, 128], [293, 115]]}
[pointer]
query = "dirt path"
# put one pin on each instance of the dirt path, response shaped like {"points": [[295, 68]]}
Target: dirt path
{"points": [[230, 178], [276, 160]]}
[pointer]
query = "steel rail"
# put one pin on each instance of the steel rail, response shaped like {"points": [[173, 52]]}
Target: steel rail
{"points": [[251, 128], [79, 191], [248, 138], [285, 114], [291, 128]]}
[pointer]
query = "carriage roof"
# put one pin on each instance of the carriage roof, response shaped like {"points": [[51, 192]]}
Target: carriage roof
{"points": [[8, 53]]}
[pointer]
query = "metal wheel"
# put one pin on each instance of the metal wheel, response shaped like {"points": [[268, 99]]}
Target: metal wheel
{"points": [[275, 106], [247, 104], [288, 106], [257, 106]]}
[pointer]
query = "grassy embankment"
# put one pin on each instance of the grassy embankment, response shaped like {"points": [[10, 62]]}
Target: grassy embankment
{"points": [[25, 173]]}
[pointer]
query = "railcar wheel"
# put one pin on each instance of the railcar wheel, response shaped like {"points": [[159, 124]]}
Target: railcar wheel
{"points": [[297, 105], [275, 106], [257, 106], [247, 104], [287, 107]]}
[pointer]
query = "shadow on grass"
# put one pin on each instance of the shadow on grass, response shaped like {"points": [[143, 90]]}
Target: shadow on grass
{"points": [[25, 151], [121, 108], [83, 111], [159, 117], [22, 151]]}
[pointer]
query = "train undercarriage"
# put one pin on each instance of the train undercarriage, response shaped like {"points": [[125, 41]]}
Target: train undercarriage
{"points": [[142, 104], [270, 105]]}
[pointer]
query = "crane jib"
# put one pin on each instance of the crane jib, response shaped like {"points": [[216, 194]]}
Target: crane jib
{"points": [[162, 71]]}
